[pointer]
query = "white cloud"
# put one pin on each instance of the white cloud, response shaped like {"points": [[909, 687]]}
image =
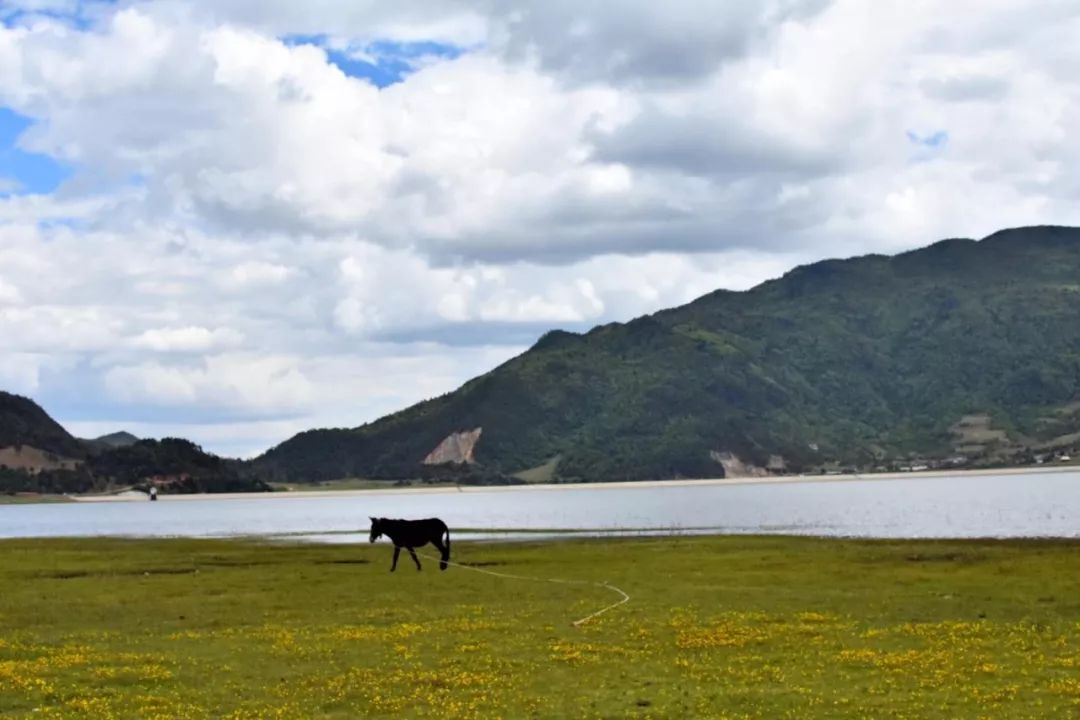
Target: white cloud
{"points": [[19, 372], [258, 273], [483, 157], [254, 401], [49, 328], [255, 136], [187, 339], [9, 293], [965, 88], [445, 21], [267, 383]]}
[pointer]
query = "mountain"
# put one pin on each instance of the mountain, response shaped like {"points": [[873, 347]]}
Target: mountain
{"points": [[172, 464], [31, 442], [964, 352], [38, 455], [112, 440], [23, 422]]}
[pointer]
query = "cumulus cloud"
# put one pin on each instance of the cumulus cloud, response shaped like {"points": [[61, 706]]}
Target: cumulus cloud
{"points": [[445, 21], [187, 339], [19, 372], [258, 272], [256, 234], [263, 382], [235, 402], [965, 88], [495, 157], [641, 42], [9, 293]]}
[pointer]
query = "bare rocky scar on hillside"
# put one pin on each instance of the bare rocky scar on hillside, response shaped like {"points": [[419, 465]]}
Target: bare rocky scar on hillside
{"points": [[458, 448]]}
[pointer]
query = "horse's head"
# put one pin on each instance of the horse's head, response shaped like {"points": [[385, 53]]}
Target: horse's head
{"points": [[376, 529]]}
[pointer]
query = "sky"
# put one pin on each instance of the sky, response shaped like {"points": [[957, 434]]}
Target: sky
{"points": [[233, 220]]}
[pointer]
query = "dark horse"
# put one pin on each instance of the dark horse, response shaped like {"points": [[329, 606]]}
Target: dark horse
{"points": [[411, 534]]}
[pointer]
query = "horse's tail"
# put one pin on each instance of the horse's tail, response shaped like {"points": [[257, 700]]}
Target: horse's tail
{"points": [[446, 551]]}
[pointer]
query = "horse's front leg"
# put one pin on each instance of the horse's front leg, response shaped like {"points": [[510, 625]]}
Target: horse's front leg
{"points": [[397, 551], [414, 558]]}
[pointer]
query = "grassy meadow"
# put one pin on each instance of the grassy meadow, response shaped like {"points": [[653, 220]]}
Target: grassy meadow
{"points": [[725, 627], [32, 499]]}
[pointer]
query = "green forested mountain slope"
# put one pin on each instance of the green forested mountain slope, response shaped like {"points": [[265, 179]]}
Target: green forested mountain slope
{"points": [[961, 348], [23, 422]]}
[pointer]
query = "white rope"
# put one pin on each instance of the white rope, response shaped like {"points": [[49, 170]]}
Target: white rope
{"points": [[624, 598]]}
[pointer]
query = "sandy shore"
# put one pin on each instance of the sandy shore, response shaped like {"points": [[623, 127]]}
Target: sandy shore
{"points": [[776, 480]]}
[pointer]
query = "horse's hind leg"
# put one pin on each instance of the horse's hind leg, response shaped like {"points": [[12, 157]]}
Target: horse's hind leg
{"points": [[414, 558], [444, 551], [397, 551]]}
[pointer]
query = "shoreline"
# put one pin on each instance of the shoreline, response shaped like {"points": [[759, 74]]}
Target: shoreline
{"points": [[641, 484]]}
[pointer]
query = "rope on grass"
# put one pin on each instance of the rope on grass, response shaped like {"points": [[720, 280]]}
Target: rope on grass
{"points": [[623, 597]]}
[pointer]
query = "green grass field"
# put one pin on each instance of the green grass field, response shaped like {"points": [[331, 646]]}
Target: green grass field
{"points": [[732, 627], [32, 498]]}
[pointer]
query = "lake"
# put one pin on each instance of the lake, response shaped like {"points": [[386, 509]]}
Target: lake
{"points": [[1009, 504]]}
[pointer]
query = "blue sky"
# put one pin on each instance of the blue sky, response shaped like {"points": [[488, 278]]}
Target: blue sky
{"points": [[935, 140], [393, 61], [81, 18], [20, 171]]}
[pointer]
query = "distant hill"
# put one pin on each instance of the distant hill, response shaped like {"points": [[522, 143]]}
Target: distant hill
{"points": [[112, 440], [172, 464], [964, 352], [38, 455], [23, 422]]}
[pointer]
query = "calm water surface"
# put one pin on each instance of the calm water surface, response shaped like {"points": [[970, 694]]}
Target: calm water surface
{"points": [[1005, 505]]}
